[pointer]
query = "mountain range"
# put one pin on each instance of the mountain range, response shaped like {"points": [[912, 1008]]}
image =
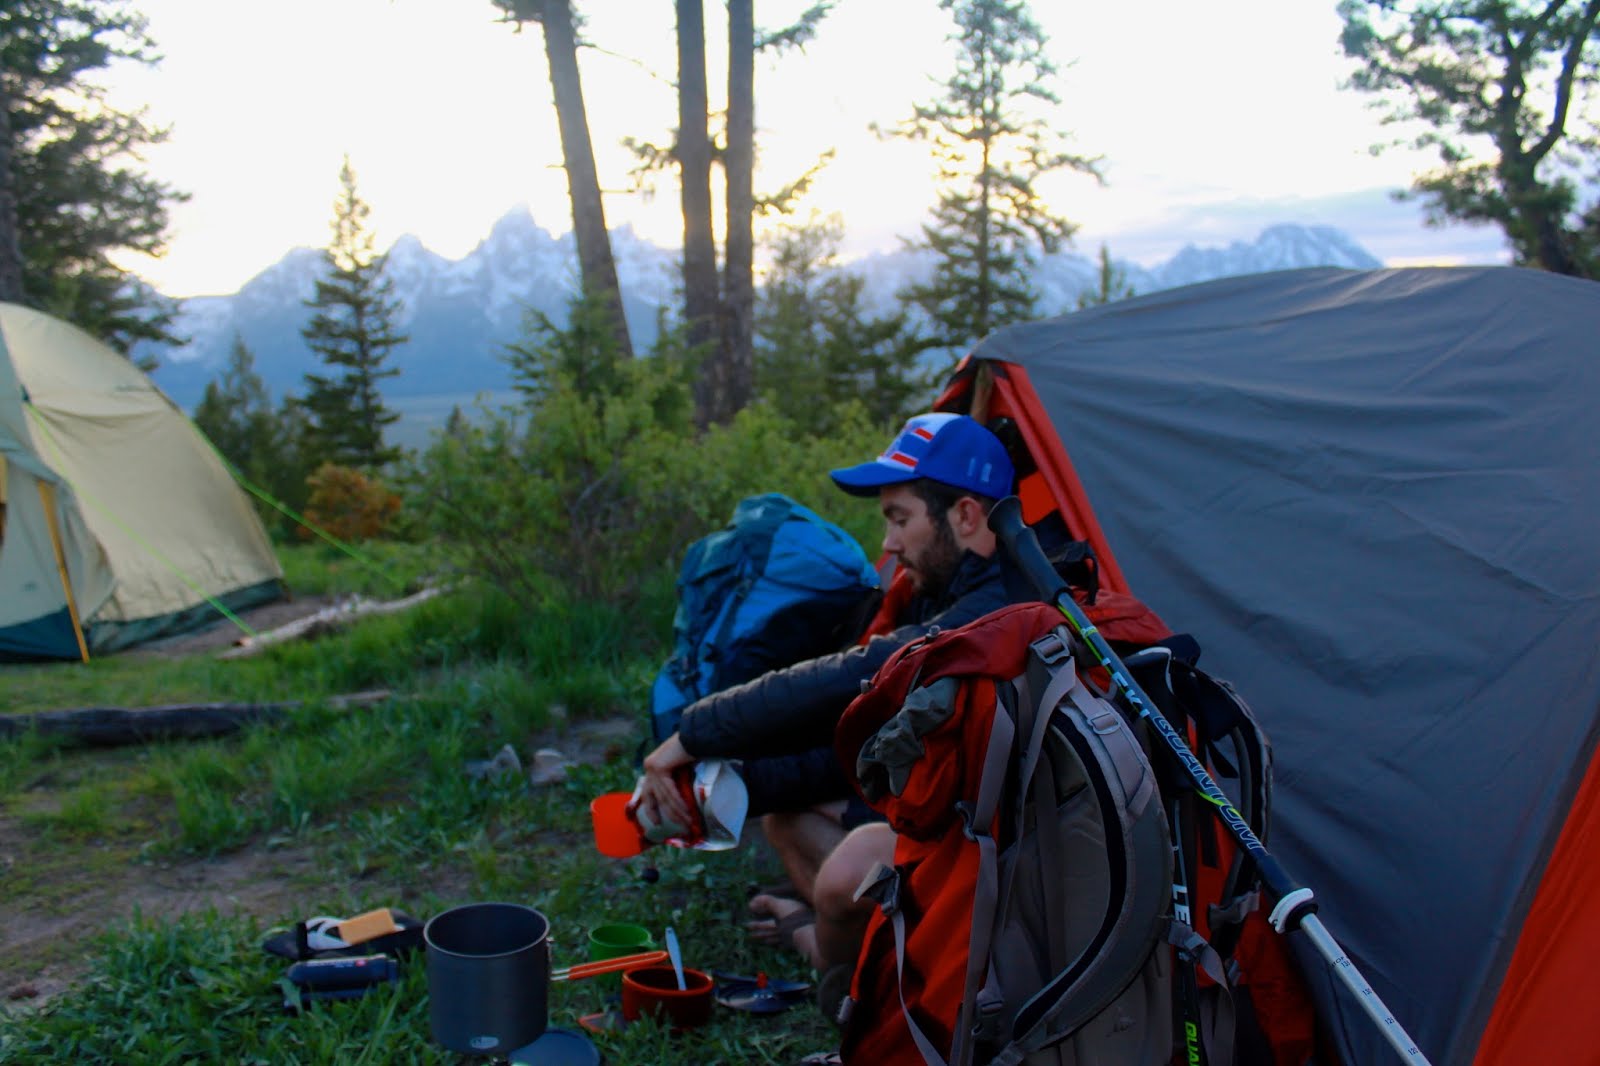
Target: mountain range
{"points": [[460, 314]]}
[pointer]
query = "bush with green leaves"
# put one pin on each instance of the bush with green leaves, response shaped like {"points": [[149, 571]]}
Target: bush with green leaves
{"points": [[597, 483]]}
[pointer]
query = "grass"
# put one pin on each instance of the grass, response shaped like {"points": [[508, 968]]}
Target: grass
{"points": [[338, 811]]}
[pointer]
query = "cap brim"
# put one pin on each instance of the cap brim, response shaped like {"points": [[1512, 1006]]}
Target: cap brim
{"points": [[865, 479]]}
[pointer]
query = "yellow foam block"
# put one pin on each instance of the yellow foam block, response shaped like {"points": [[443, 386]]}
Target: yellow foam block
{"points": [[364, 927]]}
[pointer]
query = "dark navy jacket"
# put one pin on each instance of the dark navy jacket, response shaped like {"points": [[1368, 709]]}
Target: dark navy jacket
{"points": [[782, 722]]}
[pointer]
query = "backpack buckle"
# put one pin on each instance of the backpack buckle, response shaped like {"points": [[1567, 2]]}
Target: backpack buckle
{"points": [[1053, 647], [986, 1026], [882, 886], [968, 818]]}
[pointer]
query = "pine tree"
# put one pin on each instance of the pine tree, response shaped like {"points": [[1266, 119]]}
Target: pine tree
{"points": [[701, 292], [735, 364], [264, 445], [1499, 89], [352, 330], [297, 459], [818, 346], [236, 415], [719, 308], [1110, 283], [990, 152], [70, 192], [596, 264]]}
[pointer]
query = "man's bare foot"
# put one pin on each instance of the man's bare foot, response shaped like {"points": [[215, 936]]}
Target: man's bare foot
{"points": [[785, 922]]}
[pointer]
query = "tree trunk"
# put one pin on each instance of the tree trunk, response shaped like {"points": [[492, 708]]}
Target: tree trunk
{"points": [[739, 294], [1536, 226], [595, 261], [700, 297], [10, 240], [112, 726]]}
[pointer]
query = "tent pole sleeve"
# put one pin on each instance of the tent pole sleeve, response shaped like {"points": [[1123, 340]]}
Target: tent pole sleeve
{"points": [[982, 392], [47, 496], [1297, 904]]}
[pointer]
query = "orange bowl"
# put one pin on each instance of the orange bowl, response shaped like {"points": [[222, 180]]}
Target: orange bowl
{"points": [[653, 990]]}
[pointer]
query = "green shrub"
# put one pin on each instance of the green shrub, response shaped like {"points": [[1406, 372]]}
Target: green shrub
{"points": [[595, 487]]}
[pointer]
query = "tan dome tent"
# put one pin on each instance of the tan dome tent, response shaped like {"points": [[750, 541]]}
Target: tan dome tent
{"points": [[118, 522]]}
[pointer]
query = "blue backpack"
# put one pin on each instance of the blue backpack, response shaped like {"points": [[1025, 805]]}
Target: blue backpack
{"points": [[774, 586]]}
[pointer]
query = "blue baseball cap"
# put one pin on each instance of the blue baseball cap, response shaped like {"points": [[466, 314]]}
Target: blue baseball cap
{"points": [[953, 450]]}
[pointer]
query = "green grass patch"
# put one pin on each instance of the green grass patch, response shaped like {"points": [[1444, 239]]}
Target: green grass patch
{"points": [[379, 569], [82, 813], [348, 809], [199, 988]]}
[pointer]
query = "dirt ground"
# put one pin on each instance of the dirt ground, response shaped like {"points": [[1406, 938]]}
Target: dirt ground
{"points": [[45, 945], [55, 900]]}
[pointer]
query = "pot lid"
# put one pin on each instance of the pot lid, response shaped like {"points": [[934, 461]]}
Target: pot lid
{"points": [[557, 1047]]}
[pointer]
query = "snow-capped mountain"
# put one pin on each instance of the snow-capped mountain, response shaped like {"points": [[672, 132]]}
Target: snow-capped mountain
{"points": [[1282, 247], [460, 314]]}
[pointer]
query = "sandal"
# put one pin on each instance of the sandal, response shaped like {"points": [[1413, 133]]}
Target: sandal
{"points": [[318, 938], [792, 923], [767, 928], [777, 890]]}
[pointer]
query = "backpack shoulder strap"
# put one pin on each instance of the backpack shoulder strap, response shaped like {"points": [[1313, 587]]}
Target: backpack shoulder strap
{"points": [[1122, 785]]}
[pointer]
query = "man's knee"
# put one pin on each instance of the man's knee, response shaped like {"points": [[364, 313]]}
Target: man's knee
{"points": [[781, 827], [795, 827], [848, 865]]}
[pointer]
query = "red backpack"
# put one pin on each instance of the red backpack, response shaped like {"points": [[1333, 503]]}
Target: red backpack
{"points": [[1030, 915]]}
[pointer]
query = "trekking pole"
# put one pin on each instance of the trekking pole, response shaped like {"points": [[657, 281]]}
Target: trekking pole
{"points": [[1296, 905]]}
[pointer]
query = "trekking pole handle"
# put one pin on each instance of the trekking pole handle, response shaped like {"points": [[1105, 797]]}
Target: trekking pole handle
{"points": [[1022, 545]]}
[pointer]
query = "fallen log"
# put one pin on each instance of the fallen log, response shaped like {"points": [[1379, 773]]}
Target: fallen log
{"points": [[324, 621], [104, 727]]}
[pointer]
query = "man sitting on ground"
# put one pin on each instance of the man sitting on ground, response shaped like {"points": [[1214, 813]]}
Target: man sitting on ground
{"points": [[935, 484]]}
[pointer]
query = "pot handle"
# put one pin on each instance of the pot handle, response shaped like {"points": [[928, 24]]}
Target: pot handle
{"points": [[594, 969]]}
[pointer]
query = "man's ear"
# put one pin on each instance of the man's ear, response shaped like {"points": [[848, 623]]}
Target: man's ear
{"points": [[967, 517]]}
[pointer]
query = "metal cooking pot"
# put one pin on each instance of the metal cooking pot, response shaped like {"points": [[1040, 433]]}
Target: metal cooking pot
{"points": [[488, 977]]}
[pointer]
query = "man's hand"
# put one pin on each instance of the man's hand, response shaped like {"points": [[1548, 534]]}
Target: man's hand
{"points": [[659, 798]]}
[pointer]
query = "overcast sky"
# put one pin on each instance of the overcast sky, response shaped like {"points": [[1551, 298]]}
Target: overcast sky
{"points": [[1213, 121]]}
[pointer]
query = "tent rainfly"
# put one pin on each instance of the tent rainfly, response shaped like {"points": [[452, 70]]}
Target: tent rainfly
{"points": [[1374, 499], [118, 522]]}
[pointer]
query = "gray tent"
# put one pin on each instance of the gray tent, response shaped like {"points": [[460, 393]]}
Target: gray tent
{"points": [[1374, 498]]}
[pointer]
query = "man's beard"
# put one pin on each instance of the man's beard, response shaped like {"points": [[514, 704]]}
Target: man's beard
{"points": [[935, 568]]}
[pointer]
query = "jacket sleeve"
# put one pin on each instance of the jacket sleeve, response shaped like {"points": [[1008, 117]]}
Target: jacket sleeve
{"points": [[785, 710], [797, 707], [794, 782]]}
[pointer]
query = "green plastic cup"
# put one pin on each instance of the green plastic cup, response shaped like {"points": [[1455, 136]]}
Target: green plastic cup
{"points": [[613, 940]]}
